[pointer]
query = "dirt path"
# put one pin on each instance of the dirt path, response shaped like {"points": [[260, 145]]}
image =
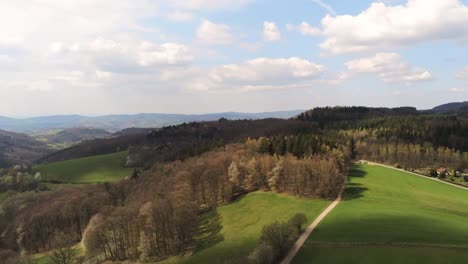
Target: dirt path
{"points": [[303, 237], [425, 177]]}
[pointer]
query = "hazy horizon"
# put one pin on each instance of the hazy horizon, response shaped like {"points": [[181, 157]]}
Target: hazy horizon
{"points": [[209, 113]]}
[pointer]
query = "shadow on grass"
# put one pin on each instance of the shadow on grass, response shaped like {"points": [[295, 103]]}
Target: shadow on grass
{"points": [[355, 190], [357, 172], [377, 228], [209, 233]]}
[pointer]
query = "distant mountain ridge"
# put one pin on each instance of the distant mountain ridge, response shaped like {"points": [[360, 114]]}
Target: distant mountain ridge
{"points": [[451, 107], [115, 123]]}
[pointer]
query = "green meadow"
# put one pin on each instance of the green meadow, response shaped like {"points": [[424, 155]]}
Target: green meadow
{"points": [[102, 168], [390, 216], [381, 255], [233, 230]]}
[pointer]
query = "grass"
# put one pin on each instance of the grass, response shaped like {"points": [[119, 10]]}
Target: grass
{"points": [[233, 230], [44, 137], [383, 206], [44, 258], [102, 168], [382, 255]]}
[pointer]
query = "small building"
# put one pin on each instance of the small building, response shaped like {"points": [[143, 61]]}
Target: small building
{"points": [[441, 172]]}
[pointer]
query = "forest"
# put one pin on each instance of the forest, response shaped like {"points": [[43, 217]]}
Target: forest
{"points": [[155, 214], [188, 170]]}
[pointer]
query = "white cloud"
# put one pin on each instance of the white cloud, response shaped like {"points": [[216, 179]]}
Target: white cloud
{"points": [[214, 34], [271, 31], [119, 56], [332, 78], [73, 76], [390, 67], [266, 68], [42, 21], [305, 29], [261, 74], [463, 74], [150, 54], [383, 26], [180, 16], [103, 75], [211, 4], [458, 90], [325, 6]]}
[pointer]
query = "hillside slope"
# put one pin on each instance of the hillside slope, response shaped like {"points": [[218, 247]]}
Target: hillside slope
{"points": [[177, 142], [103, 168], [70, 136], [16, 148], [232, 231], [385, 212], [451, 107]]}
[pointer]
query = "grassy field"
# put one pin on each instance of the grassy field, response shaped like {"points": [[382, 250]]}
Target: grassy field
{"points": [[383, 206], [44, 137], [103, 168], [382, 255], [234, 230]]}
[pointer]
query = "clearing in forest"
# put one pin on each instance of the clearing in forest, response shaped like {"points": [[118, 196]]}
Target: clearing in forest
{"points": [[102, 168]]}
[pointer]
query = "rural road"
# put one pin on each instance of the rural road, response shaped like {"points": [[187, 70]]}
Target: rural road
{"points": [[303, 237]]}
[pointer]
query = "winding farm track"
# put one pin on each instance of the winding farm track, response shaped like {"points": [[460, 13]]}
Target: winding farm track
{"points": [[303, 237]]}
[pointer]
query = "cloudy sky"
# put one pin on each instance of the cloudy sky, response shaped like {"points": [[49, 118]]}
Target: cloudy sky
{"points": [[197, 56]]}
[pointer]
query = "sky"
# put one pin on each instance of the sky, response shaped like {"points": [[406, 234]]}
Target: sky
{"points": [[97, 57]]}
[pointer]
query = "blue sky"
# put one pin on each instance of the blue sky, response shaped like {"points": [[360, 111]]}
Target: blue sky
{"points": [[97, 57]]}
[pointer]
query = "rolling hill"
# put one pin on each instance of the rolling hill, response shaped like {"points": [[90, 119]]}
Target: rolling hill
{"points": [[71, 136], [451, 108], [17, 148], [178, 142]]}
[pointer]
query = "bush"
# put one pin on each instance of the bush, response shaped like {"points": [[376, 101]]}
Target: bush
{"points": [[432, 172], [279, 236], [263, 254], [276, 240], [64, 252], [297, 221]]}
